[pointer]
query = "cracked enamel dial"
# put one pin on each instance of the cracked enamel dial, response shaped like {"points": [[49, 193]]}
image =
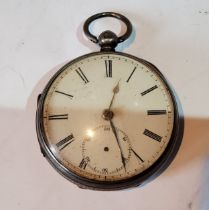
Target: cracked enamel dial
{"points": [[107, 116]]}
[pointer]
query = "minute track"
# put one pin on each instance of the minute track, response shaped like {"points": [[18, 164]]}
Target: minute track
{"points": [[102, 141]]}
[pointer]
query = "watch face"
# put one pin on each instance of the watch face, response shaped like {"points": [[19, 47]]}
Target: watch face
{"points": [[107, 116]]}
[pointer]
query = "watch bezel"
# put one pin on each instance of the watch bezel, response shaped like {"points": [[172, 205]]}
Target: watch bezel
{"points": [[150, 173]]}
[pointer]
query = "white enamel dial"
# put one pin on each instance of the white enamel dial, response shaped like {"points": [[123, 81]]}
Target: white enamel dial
{"points": [[108, 117]]}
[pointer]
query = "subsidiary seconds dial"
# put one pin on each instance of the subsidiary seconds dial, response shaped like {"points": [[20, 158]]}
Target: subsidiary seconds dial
{"points": [[106, 159], [107, 116]]}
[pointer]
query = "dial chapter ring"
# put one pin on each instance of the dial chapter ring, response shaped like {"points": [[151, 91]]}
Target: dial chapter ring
{"points": [[153, 171]]}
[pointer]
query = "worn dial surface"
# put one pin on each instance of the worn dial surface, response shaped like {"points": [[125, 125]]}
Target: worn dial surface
{"points": [[107, 117]]}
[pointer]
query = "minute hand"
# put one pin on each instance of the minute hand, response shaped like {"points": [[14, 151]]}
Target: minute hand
{"points": [[116, 137]]}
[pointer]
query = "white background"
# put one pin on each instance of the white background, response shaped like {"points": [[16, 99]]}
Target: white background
{"points": [[37, 37]]}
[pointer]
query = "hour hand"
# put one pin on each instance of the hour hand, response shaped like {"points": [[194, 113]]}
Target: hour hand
{"points": [[115, 91]]}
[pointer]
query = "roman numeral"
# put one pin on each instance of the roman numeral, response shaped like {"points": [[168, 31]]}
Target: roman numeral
{"points": [[108, 66], [84, 162], [149, 90], [105, 171], [125, 138], [152, 135], [65, 94], [131, 74], [137, 155], [58, 117], [82, 75], [106, 128], [156, 112], [65, 142]]}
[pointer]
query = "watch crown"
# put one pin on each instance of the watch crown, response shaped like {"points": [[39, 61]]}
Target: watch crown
{"points": [[108, 40]]}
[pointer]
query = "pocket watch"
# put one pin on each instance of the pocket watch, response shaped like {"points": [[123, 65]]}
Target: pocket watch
{"points": [[109, 120]]}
